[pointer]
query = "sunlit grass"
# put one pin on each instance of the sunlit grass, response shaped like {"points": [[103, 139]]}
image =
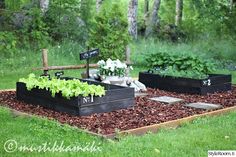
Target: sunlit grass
{"points": [[192, 139]]}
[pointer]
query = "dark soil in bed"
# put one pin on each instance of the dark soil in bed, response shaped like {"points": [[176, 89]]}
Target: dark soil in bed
{"points": [[144, 113]]}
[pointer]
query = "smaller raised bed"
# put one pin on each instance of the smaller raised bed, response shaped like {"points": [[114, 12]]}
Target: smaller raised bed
{"points": [[117, 97], [214, 83]]}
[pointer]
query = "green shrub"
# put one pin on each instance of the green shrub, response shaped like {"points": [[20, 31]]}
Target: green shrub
{"points": [[34, 29], [110, 33], [186, 65], [8, 42], [64, 21]]}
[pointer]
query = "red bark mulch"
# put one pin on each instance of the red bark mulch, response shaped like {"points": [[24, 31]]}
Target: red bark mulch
{"points": [[144, 113]]}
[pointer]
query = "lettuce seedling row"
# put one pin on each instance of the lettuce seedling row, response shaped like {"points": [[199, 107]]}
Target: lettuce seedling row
{"points": [[214, 83], [116, 97]]}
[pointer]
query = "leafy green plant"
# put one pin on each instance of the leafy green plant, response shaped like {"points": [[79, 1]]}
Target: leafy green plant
{"points": [[8, 42], [179, 62], [64, 21], [68, 88], [170, 71], [180, 65], [34, 29], [110, 33]]}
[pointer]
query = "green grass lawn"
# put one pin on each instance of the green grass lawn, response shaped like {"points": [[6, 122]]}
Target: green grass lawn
{"points": [[192, 139]]}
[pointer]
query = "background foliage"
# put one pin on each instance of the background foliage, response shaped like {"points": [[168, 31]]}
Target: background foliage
{"points": [[109, 32], [70, 26]]}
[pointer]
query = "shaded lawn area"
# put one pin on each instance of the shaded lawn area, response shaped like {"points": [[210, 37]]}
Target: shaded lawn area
{"points": [[191, 139]]}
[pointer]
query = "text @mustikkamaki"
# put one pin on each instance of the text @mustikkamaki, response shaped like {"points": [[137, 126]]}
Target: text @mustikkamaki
{"points": [[12, 145]]}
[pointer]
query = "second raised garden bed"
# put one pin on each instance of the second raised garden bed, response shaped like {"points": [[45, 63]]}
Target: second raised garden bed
{"points": [[215, 83], [116, 97]]}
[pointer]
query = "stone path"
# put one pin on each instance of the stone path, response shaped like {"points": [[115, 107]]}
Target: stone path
{"points": [[203, 105], [166, 99]]}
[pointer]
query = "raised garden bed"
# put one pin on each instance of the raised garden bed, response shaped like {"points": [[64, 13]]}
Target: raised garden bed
{"points": [[116, 97], [146, 115], [215, 83]]}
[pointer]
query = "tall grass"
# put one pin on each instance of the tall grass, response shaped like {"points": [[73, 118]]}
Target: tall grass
{"points": [[21, 64], [211, 49]]}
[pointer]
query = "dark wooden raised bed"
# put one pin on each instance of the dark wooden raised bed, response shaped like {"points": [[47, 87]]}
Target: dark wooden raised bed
{"points": [[215, 83], [117, 97]]}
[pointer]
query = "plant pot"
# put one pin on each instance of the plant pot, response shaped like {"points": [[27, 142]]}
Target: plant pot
{"points": [[116, 80]]}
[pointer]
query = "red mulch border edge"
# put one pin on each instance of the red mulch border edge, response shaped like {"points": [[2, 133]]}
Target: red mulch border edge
{"points": [[142, 130]]}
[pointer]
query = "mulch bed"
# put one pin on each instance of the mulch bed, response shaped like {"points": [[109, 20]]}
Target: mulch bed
{"points": [[144, 113]]}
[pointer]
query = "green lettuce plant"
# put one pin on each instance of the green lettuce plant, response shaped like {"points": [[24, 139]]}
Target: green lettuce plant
{"points": [[68, 88]]}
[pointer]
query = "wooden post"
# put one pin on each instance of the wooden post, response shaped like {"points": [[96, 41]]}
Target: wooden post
{"points": [[87, 67], [45, 61]]}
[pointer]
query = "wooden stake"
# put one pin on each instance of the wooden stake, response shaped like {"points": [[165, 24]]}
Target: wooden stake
{"points": [[45, 61]]}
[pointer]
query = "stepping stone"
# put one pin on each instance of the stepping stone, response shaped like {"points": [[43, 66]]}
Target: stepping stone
{"points": [[140, 94], [166, 99], [203, 105]]}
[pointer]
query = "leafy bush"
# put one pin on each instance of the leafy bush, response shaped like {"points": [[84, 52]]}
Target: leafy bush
{"points": [[171, 32], [170, 71], [63, 21], [185, 65], [8, 42], [68, 88], [110, 33], [34, 29]]}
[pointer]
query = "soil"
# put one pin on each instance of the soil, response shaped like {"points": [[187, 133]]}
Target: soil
{"points": [[145, 112]]}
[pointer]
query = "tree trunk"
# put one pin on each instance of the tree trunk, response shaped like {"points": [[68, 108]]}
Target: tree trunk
{"points": [[146, 7], [146, 13], [44, 5], [232, 4], [127, 54], [154, 20], [2, 4], [132, 18], [98, 5], [179, 12]]}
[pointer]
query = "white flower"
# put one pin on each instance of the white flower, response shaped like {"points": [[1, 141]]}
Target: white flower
{"points": [[119, 64], [101, 62], [112, 68], [105, 67], [109, 61], [131, 68]]}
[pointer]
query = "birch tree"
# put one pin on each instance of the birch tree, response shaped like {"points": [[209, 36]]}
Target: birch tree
{"points": [[146, 12], [132, 18], [179, 12], [98, 5], [232, 4], [44, 5], [154, 20]]}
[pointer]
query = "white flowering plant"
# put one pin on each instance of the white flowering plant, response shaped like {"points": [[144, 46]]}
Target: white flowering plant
{"points": [[112, 68]]}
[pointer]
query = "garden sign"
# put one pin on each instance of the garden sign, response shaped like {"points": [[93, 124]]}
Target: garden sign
{"points": [[87, 55]]}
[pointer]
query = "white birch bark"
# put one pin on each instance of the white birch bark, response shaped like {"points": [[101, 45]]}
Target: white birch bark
{"points": [[132, 18], [154, 19], [179, 12], [44, 5], [98, 5]]}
